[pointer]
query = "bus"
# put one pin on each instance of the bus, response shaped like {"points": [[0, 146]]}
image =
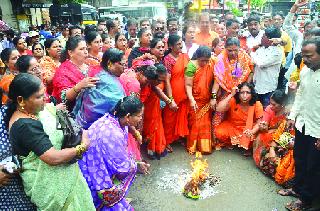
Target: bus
{"points": [[73, 13], [149, 10]]}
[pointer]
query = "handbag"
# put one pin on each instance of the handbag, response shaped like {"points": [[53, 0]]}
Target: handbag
{"points": [[72, 131]]}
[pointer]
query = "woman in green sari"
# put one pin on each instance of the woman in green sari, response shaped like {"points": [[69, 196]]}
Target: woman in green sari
{"points": [[48, 180]]}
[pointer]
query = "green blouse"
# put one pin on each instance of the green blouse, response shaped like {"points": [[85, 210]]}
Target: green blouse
{"points": [[190, 70]]}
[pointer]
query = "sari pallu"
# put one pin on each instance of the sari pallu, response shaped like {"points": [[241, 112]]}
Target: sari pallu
{"points": [[131, 85], [232, 73], [48, 70], [152, 123], [230, 131], [176, 123], [66, 77], [60, 187], [107, 166], [94, 102], [200, 137]]}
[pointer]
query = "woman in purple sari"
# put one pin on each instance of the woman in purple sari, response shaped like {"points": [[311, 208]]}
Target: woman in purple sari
{"points": [[107, 165]]}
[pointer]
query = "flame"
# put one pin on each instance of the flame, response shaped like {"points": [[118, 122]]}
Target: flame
{"points": [[198, 175]]}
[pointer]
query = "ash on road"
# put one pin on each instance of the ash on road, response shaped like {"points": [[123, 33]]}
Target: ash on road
{"points": [[242, 187]]}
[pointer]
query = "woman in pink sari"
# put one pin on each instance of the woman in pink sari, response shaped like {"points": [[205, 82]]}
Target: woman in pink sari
{"points": [[73, 75]]}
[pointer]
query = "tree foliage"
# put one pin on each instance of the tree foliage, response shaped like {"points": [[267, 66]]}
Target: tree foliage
{"points": [[257, 4], [234, 8]]}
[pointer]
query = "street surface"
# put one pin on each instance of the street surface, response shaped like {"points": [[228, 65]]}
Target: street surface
{"points": [[243, 187]]}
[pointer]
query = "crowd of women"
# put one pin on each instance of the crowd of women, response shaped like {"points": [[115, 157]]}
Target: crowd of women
{"points": [[160, 91]]}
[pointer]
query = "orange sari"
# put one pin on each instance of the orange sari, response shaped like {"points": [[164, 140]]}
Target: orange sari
{"points": [[200, 137], [228, 74], [152, 123], [232, 73], [49, 68], [230, 131], [4, 85], [281, 167], [176, 123]]}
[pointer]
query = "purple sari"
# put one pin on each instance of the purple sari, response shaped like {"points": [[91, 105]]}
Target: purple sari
{"points": [[107, 166]]}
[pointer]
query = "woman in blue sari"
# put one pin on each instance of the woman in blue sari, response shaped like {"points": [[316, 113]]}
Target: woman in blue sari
{"points": [[107, 165], [94, 102]]}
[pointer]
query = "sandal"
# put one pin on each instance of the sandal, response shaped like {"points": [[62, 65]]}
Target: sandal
{"points": [[287, 192], [169, 149], [297, 205]]}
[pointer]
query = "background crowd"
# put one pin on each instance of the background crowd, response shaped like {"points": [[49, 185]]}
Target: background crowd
{"points": [[136, 90]]}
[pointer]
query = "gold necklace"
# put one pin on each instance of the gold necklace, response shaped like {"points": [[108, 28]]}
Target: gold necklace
{"points": [[32, 116]]}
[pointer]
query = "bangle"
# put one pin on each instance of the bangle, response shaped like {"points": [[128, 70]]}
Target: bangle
{"points": [[80, 149], [170, 101], [213, 95], [75, 90]]}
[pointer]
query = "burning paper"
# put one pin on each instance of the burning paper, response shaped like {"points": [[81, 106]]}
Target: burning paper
{"points": [[198, 177]]}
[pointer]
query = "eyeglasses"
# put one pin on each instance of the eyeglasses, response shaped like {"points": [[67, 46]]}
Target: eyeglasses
{"points": [[159, 29]]}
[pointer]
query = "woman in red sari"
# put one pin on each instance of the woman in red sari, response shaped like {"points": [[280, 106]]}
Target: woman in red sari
{"points": [[199, 84], [242, 120], [21, 45], [73, 75], [175, 123], [274, 159], [153, 130]]}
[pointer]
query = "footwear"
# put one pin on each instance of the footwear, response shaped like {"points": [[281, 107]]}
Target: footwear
{"points": [[288, 192], [169, 149], [151, 155], [297, 205], [247, 153]]}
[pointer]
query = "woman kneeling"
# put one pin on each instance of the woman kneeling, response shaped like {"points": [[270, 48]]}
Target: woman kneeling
{"points": [[272, 148], [107, 166], [243, 115]]}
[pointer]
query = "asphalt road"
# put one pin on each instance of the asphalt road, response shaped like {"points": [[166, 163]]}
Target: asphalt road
{"points": [[242, 188]]}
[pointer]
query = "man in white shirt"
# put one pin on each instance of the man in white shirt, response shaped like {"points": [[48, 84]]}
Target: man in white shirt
{"points": [[305, 115], [267, 60], [255, 32]]}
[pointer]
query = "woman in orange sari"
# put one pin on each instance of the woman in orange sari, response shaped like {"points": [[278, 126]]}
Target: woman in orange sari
{"points": [[51, 62], [175, 123], [199, 83], [9, 56], [234, 66], [242, 120], [274, 159], [153, 131]]}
